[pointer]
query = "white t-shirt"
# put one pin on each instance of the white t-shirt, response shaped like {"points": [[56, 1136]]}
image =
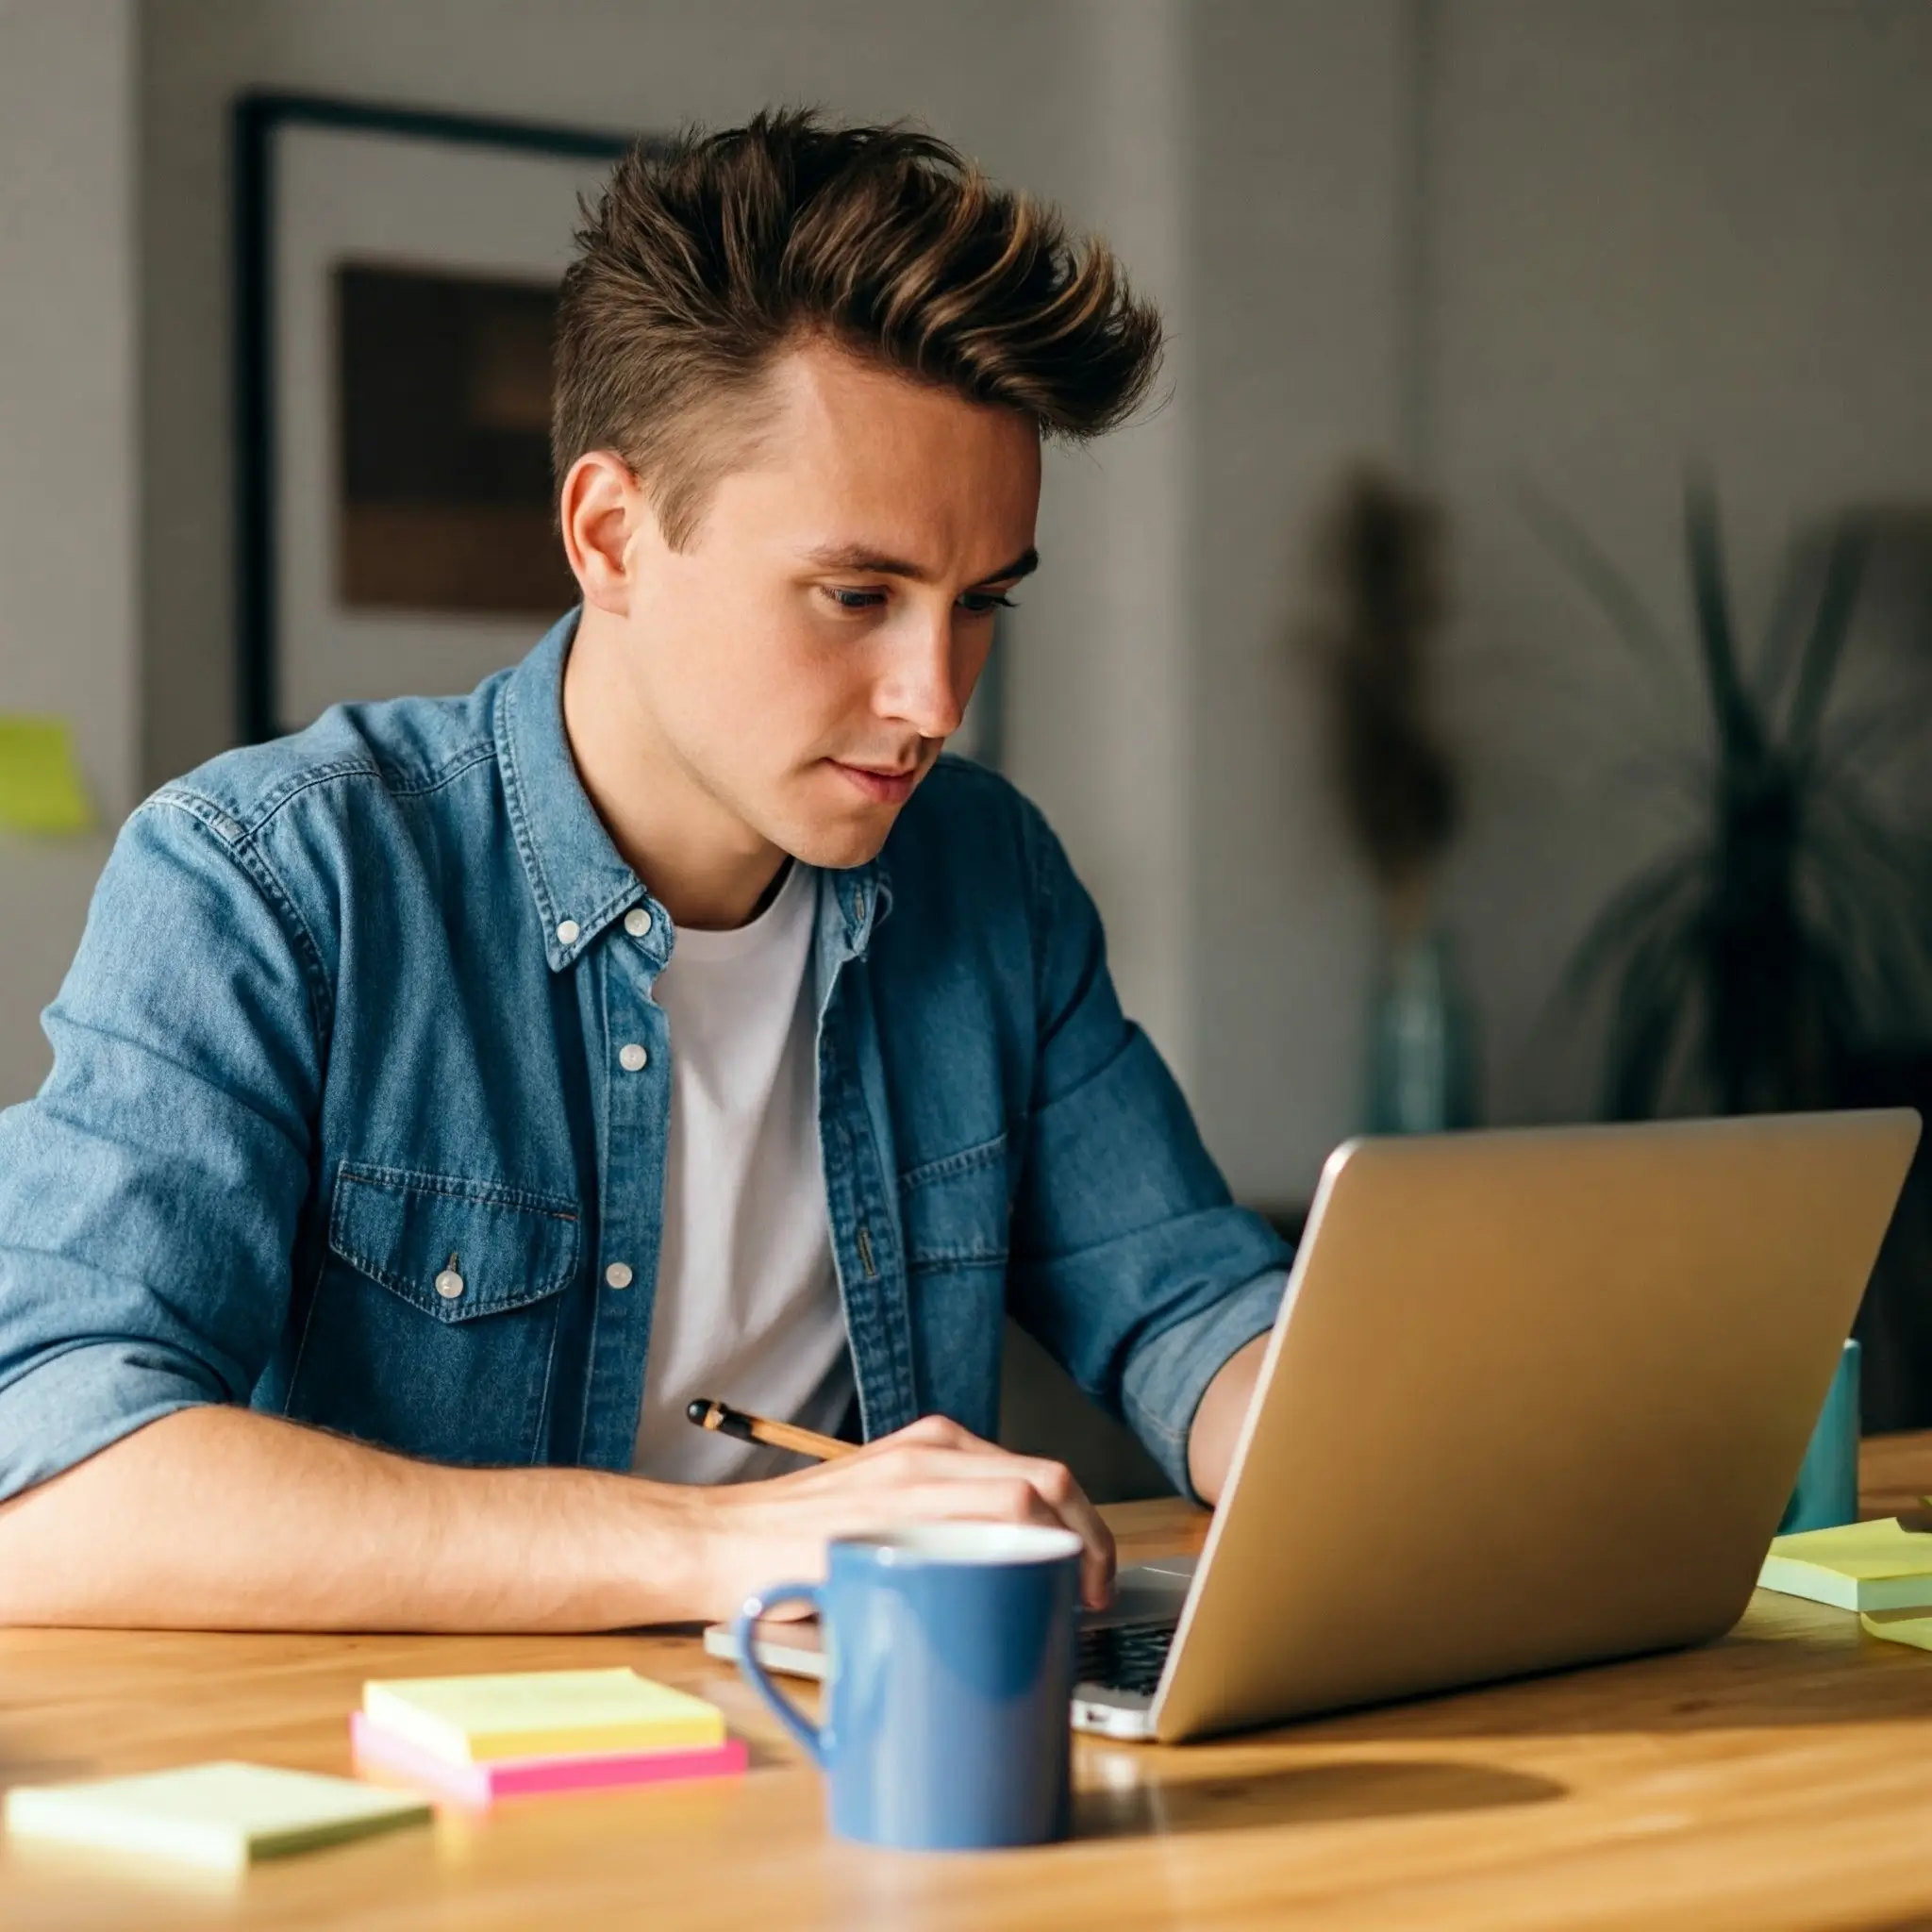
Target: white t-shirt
{"points": [[747, 1307]]}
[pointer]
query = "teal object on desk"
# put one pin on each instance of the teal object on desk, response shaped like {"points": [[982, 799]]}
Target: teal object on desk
{"points": [[1828, 1491]]}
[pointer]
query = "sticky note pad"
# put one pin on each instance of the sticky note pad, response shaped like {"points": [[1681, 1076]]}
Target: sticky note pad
{"points": [[540, 1714], [1857, 1566], [39, 780], [478, 1783], [214, 1815], [1913, 1626]]}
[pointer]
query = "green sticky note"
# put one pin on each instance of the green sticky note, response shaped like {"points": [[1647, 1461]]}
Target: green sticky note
{"points": [[39, 780], [220, 1816], [1857, 1566]]}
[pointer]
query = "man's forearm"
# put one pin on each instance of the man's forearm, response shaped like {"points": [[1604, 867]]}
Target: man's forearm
{"points": [[1217, 1425], [218, 1518]]}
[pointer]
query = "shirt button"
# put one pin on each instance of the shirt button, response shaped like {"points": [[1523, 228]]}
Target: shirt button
{"points": [[449, 1284], [637, 922], [567, 930], [618, 1275], [633, 1059]]}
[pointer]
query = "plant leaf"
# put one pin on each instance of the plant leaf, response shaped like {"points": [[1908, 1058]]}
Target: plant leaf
{"points": [[1615, 595], [1675, 775], [1874, 953], [1739, 734], [1905, 856], [1782, 633], [1895, 872], [1646, 1025], [1872, 890], [1868, 737], [1844, 568], [1627, 917]]}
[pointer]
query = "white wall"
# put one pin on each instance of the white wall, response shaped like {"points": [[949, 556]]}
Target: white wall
{"points": [[68, 469], [1297, 220], [1659, 232], [1101, 691]]}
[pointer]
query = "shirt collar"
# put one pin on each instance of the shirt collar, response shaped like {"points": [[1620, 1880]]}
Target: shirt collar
{"points": [[579, 881], [577, 876]]}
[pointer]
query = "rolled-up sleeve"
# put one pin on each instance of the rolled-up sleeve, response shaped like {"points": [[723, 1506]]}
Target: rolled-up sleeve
{"points": [[1131, 1262], [149, 1192]]}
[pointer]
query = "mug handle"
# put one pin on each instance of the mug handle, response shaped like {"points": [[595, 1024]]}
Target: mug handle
{"points": [[816, 1742]]}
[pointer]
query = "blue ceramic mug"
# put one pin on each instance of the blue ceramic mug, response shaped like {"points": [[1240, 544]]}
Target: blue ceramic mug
{"points": [[950, 1674]]}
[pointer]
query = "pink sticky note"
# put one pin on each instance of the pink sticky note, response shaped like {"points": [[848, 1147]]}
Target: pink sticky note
{"points": [[515, 1777]]}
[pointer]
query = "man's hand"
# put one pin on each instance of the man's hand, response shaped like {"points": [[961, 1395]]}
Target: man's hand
{"points": [[931, 1472]]}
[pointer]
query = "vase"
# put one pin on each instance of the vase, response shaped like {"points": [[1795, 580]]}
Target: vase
{"points": [[1422, 1045]]}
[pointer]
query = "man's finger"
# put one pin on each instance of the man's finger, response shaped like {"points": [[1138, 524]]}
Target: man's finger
{"points": [[1065, 1508], [1069, 1501], [1062, 1497], [938, 1458]]}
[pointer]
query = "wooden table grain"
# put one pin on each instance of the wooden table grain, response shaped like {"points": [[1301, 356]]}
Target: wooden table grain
{"points": [[1781, 1777]]}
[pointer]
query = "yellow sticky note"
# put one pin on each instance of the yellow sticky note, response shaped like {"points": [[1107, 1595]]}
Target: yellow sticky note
{"points": [[540, 1714], [1857, 1566], [39, 780], [1913, 1626]]}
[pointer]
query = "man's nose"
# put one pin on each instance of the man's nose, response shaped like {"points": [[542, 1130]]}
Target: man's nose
{"points": [[922, 689]]}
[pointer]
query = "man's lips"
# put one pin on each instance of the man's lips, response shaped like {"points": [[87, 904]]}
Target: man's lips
{"points": [[882, 786]]}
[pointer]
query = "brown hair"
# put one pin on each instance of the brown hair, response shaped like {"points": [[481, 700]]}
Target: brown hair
{"points": [[704, 260]]}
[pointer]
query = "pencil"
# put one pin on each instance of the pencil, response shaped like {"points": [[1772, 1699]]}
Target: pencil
{"points": [[756, 1429]]}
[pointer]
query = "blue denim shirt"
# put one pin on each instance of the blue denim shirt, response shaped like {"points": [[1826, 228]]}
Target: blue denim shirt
{"points": [[337, 1125]]}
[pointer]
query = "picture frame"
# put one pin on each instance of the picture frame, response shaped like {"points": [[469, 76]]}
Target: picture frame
{"points": [[386, 539]]}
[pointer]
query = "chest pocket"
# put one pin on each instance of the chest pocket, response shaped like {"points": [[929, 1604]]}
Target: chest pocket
{"points": [[433, 1323], [955, 1210], [954, 1213], [455, 1249]]}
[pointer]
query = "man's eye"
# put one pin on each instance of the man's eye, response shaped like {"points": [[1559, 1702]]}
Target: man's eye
{"points": [[854, 600], [980, 603]]}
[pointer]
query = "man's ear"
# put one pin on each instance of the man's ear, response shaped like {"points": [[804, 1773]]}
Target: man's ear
{"points": [[601, 510]]}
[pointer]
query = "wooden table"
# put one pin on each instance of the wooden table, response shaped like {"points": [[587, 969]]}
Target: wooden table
{"points": [[1780, 1777]]}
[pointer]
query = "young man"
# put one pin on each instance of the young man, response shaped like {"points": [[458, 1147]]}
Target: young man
{"points": [[446, 1095]]}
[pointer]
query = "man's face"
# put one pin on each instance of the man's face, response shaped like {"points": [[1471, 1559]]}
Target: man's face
{"points": [[809, 653]]}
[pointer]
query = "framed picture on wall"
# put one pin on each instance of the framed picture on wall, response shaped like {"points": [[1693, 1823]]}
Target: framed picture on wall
{"points": [[396, 283]]}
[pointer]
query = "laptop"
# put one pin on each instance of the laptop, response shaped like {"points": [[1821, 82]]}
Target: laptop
{"points": [[1534, 1398]]}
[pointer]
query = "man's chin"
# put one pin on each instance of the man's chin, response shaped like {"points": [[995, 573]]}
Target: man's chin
{"points": [[840, 847], [832, 826]]}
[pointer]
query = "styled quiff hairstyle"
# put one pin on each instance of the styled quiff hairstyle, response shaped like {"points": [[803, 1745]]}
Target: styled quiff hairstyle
{"points": [[705, 261]]}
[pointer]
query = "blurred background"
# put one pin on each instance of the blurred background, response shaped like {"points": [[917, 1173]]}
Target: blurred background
{"points": [[1495, 686]]}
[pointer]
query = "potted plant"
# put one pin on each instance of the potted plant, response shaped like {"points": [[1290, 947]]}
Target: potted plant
{"points": [[1750, 967]]}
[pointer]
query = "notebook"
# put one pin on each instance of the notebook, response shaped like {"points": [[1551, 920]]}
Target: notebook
{"points": [[515, 1777], [1855, 1566], [540, 1714], [214, 1815]]}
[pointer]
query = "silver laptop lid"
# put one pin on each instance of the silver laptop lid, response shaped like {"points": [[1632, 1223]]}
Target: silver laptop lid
{"points": [[1534, 1398]]}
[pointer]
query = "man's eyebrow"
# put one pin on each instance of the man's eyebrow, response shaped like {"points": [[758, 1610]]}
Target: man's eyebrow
{"points": [[857, 558]]}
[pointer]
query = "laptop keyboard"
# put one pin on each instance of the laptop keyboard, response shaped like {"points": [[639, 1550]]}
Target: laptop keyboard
{"points": [[1128, 1657]]}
